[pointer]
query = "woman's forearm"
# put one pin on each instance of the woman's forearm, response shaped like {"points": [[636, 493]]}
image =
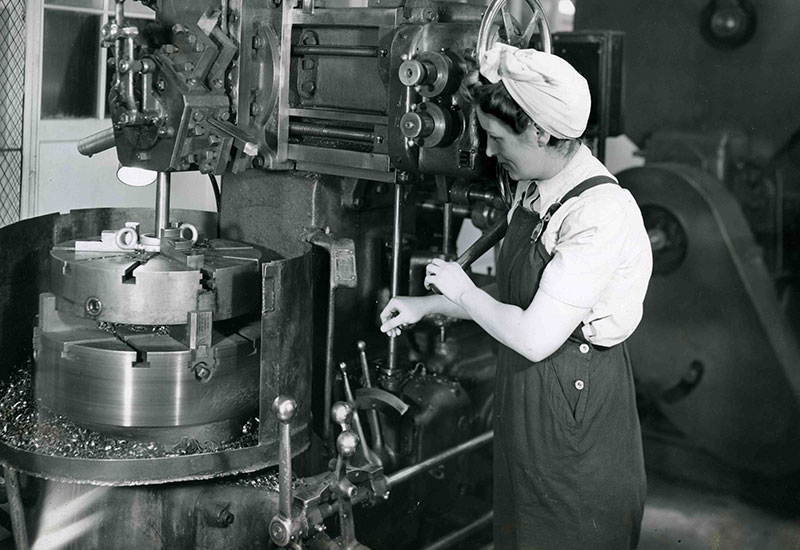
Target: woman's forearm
{"points": [[436, 304], [534, 333]]}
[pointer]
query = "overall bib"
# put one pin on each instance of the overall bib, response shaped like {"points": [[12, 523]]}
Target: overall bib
{"points": [[568, 465]]}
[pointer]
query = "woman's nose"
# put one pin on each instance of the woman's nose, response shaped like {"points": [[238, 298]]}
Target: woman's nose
{"points": [[491, 150]]}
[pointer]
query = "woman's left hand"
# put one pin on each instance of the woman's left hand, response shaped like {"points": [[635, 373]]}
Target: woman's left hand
{"points": [[449, 278]]}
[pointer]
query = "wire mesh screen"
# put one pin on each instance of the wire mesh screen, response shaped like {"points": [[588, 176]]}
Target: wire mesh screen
{"points": [[12, 92]]}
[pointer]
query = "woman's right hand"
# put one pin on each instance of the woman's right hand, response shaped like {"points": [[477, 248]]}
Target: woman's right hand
{"points": [[402, 311]]}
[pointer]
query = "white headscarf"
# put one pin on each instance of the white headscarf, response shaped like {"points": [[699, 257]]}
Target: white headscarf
{"points": [[545, 86]]}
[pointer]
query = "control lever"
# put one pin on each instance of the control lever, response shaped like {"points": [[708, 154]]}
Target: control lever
{"points": [[490, 237], [283, 528], [372, 414], [348, 392], [345, 490]]}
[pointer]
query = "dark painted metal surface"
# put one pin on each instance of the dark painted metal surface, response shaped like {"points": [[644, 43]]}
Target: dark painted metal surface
{"points": [[717, 314]]}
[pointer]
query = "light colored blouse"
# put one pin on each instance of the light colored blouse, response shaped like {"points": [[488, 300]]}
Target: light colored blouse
{"points": [[601, 255]]}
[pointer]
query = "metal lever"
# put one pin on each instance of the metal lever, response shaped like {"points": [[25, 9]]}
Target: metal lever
{"points": [[282, 528], [346, 445], [348, 392], [372, 414], [491, 237]]}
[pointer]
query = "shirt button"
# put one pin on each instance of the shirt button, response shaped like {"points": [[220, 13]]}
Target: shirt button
{"points": [[579, 384], [584, 348]]}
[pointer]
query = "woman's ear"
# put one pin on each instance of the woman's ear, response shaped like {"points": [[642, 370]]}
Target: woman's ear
{"points": [[542, 137]]}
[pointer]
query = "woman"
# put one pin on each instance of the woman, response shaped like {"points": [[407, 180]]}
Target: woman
{"points": [[571, 279]]}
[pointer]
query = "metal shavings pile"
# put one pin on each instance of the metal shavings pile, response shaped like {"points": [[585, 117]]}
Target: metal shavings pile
{"points": [[267, 481], [113, 328], [25, 427]]}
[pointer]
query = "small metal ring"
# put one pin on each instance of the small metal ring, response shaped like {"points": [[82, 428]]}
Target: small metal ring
{"points": [[192, 229], [120, 238]]}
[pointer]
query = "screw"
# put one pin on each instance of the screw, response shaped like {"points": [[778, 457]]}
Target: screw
{"points": [[199, 47], [123, 66], [199, 130], [259, 161], [191, 38], [225, 517], [161, 85], [255, 109], [223, 115], [192, 82], [278, 532], [258, 42], [202, 373], [309, 86], [217, 83], [198, 115], [170, 49]]}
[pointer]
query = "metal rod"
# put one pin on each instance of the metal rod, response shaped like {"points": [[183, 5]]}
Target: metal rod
{"points": [[223, 16], [97, 143], [305, 129], [447, 222], [779, 237], [329, 341], [342, 51], [372, 414], [407, 473], [162, 202], [397, 244], [128, 94], [327, 510], [348, 392], [451, 539], [490, 237], [16, 509]]}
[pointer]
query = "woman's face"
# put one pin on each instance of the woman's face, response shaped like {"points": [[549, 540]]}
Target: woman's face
{"points": [[518, 154]]}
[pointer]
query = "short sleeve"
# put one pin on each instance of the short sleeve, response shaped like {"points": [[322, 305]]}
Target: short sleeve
{"points": [[587, 252]]}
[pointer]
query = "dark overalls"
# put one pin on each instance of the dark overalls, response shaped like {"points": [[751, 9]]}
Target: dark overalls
{"points": [[568, 466]]}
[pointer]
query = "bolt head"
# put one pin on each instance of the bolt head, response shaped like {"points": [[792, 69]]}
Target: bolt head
{"points": [[362, 345], [284, 408]]}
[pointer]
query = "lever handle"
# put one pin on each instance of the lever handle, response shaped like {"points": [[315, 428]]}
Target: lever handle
{"points": [[372, 414], [281, 528], [490, 237], [348, 392]]}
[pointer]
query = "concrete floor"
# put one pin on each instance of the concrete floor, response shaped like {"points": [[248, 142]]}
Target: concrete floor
{"points": [[679, 517], [686, 518]]}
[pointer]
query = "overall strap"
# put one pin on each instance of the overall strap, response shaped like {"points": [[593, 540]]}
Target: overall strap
{"points": [[574, 192], [584, 186]]}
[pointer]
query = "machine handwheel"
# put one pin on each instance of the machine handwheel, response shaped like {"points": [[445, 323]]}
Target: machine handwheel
{"points": [[515, 35]]}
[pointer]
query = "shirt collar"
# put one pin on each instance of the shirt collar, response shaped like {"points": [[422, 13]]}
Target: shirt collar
{"points": [[556, 187]]}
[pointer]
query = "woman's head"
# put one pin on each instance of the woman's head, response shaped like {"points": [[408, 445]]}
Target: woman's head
{"points": [[540, 98], [518, 142]]}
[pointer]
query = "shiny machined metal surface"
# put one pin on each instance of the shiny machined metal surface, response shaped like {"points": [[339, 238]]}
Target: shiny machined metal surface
{"points": [[156, 289], [143, 380]]}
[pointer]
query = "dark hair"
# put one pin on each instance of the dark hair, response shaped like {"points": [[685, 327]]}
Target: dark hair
{"points": [[494, 100]]}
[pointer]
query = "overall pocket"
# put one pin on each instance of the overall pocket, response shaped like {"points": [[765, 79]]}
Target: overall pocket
{"points": [[568, 384]]}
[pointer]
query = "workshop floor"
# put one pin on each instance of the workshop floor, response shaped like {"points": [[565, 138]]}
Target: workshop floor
{"points": [[679, 517], [685, 518]]}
